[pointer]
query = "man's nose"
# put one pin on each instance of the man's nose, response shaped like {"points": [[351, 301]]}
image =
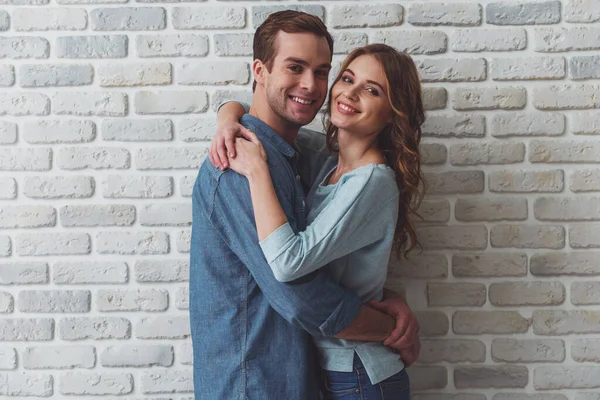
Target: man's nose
{"points": [[308, 81]]}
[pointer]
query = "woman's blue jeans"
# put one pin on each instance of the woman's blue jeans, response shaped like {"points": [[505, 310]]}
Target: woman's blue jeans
{"points": [[356, 385]]}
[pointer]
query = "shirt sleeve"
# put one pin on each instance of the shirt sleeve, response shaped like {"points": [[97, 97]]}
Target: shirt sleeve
{"points": [[242, 103], [355, 217], [315, 304]]}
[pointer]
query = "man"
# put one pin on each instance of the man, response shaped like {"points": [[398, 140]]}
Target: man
{"points": [[250, 333]]}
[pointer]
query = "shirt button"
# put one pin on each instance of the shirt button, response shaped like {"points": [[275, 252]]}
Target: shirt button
{"points": [[297, 177]]}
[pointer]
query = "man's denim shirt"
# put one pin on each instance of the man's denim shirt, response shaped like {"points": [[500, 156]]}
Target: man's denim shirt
{"points": [[250, 332]]}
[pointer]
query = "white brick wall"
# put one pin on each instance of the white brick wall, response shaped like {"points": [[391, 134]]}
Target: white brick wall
{"points": [[106, 112]]}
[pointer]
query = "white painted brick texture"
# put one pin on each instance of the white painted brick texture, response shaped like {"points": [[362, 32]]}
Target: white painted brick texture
{"points": [[107, 109]]}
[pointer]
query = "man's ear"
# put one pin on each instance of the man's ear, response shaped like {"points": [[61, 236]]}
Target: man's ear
{"points": [[258, 70]]}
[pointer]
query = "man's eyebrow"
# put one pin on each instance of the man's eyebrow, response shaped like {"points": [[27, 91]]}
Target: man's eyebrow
{"points": [[305, 63], [368, 81]]}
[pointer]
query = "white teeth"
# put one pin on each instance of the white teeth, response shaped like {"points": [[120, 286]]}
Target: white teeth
{"points": [[346, 108], [299, 100]]}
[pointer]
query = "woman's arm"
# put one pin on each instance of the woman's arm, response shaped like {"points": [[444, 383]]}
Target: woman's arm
{"points": [[228, 128]]}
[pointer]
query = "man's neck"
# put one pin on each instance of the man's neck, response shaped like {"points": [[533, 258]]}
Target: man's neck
{"points": [[262, 111]]}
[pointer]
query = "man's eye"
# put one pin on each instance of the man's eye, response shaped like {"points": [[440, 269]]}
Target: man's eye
{"points": [[323, 73], [295, 68]]}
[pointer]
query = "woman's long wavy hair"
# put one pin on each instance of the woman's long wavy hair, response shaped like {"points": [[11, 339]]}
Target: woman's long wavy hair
{"points": [[398, 141]]}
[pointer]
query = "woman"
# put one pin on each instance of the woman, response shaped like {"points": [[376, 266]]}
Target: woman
{"points": [[359, 206]]}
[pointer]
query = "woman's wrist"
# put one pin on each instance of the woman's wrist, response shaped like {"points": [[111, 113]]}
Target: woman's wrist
{"points": [[259, 170]]}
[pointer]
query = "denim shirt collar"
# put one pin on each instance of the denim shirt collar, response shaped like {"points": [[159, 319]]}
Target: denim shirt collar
{"points": [[265, 131]]}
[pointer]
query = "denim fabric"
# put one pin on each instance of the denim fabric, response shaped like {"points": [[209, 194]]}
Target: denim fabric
{"points": [[356, 385], [250, 333]]}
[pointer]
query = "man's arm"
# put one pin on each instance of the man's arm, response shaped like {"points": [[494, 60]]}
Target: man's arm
{"points": [[315, 304]]}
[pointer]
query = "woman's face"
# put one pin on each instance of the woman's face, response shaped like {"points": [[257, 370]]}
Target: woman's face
{"points": [[359, 100]]}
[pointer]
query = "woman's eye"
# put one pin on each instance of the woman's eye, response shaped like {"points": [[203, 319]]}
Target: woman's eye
{"points": [[373, 91], [346, 79]]}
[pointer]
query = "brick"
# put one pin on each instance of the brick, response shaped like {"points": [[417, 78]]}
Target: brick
{"points": [[528, 350], [25, 159], [89, 103], [183, 241], [434, 98], [95, 384], [526, 293], [526, 181], [493, 322], [137, 187], [260, 13], [359, 16], [528, 236], [345, 42], [460, 396], [85, 272], [171, 102], [8, 358], [21, 104], [434, 210], [487, 153], [185, 353], [54, 301], [134, 74], [23, 272], [59, 187], [91, 1], [134, 130], [452, 70], [58, 244], [26, 384], [162, 271], [556, 264], [413, 42], [77, 158], [549, 40], [166, 214], [199, 129], [584, 67], [97, 215], [427, 378], [58, 131], [520, 68], [493, 39], [574, 96], [63, 357], [213, 17], [433, 153], [4, 21], [182, 298], [7, 74], [128, 19], [169, 381], [586, 350], [585, 11], [455, 182], [587, 396], [132, 300], [490, 209], [8, 132], [567, 209], [219, 97], [49, 19], [19, 47], [455, 294], [560, 322], [458, 14], [27, 217], [566, 377], [98, 46], [537, 13], [187, 185], [26, 329], [461, 126], [585, 181], [214, 73], [483, 376], [172, 327], [451, 350], [425, 266], [7, 305], [144, 243], [453, 237], [584, 236], [585, 122], [233, 44], [564, 151], [490, 98], [585, 293], [5, 246], [137, 356], [432, 323], [527, 124], [172, 45], [165, 158], [94, 328]]}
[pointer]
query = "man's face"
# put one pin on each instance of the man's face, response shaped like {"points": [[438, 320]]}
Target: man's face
{"points": [[296, 87]]}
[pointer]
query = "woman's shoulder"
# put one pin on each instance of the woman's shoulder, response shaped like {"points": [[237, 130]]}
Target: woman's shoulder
{"points": [[377, 179]]}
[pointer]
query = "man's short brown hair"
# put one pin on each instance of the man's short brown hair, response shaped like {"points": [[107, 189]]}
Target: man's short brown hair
{"points": [[288, 21]]}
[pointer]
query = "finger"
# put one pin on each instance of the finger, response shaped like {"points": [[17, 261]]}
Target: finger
{"points": [[222, 152], [213, 156], [249, 135], [230, 145], [378, 306], [407, 338], [402, 326]]}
